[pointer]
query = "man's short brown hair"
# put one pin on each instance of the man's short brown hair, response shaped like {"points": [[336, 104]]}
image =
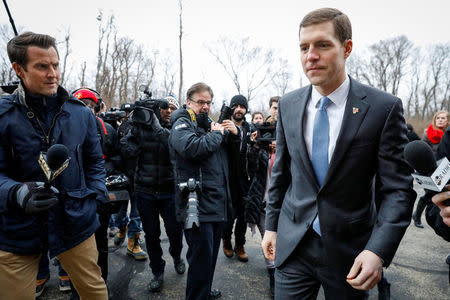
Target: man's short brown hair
{"points": [[341, 23], [273, 99], [17, 47], [198, 88]]}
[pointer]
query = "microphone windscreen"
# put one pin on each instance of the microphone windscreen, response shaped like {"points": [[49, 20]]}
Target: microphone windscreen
{"points": [[56, 156], [420, 156]]}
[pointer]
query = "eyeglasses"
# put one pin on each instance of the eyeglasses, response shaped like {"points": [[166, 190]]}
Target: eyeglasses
{"points": [[201, 102]]}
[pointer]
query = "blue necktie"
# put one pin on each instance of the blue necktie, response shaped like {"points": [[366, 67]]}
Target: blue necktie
{"points": [[320, 143]]}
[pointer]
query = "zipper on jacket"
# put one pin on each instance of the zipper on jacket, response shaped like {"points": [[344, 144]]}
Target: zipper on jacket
{"points": [[47, 136]]}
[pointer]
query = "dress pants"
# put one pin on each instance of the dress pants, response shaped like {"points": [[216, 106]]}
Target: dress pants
{"points": [[203, 245], [150, 208], [305, 270]]}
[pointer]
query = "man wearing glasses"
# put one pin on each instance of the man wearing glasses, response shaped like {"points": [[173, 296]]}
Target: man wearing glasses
{"points": [[199, 150]]}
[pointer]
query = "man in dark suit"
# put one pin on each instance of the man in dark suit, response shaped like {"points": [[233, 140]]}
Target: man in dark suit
{"points": [[333, 138]]}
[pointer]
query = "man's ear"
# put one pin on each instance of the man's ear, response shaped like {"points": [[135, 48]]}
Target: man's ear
{"points": [[348, 46], [18, 69]]}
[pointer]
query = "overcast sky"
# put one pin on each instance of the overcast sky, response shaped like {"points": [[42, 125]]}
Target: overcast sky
{"points": [[268, 23]]}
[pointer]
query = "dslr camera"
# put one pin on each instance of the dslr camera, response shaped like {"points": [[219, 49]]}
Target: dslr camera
{"points": [[191, 186], [266, 133]]}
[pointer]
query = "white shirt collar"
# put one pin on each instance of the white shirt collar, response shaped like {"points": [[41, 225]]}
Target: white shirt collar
{"points": [[338, 96]]}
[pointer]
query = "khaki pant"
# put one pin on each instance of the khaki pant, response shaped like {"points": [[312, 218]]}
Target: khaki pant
{"points": [[18, 273]]}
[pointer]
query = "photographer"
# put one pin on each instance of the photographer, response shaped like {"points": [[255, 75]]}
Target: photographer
{"points": [[239, 184], [154, 183], [199, 150]]}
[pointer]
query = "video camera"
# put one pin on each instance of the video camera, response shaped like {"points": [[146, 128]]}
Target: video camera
{"points": [[266, 133], [143, 108], [113, 117]]}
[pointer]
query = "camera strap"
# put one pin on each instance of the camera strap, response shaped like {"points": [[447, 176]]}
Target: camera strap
{"points": [[192, 114]]}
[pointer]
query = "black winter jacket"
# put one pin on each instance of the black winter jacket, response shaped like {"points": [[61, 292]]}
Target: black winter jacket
{"points": [[154, 171], [202, 155]]}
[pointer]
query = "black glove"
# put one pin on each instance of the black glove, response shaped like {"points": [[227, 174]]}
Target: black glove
{"points": [[34, 197]]}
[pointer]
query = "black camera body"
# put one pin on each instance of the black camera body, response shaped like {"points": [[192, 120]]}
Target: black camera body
{"points": [[191, 186], [117, 186], [266, 133], [225, 113]]}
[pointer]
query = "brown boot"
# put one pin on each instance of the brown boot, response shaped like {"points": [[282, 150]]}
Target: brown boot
{"points": [[134, 249], [227, 248], [240, 252]]}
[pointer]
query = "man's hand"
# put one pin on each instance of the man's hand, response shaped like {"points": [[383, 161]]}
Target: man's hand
{"points": [[439, 199], [269, 244], [366, 271], [229, 125], [34, 197], [217, 127]]}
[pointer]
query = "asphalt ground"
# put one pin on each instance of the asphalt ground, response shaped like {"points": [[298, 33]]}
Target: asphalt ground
{"points": [[418, 271]]}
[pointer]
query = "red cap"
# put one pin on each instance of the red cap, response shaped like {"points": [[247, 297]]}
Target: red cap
{"points": [[85, 94]]}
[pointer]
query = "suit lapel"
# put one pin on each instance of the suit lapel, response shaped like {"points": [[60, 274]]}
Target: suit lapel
{"points": [[354, 113], [304, 96]]}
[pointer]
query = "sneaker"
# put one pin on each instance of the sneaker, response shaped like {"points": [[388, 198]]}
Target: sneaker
{"points": [[227, 248], [180, 266], [120, 237], [156, 283], [40, 286], [241, 254], [64, 283]]}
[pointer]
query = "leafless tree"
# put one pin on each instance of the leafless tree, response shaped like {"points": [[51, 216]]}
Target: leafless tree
{"points": [[66, 53], [7, 73], [180, 38], [282, 78], [384, 64], [106, 31], [82, 76], [249, 67]]}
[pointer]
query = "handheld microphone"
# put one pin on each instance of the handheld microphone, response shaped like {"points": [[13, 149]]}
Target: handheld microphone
{"points": [[431, 175], [54, 162]]}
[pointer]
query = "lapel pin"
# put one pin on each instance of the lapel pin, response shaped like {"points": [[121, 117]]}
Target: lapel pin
{"points": [[355, 110]]}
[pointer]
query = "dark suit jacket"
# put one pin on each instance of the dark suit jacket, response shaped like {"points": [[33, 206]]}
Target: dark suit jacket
{"points": [[370, 145]]}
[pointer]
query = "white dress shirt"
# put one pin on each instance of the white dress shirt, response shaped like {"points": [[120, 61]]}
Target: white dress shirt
{"points": [[335, 112]]}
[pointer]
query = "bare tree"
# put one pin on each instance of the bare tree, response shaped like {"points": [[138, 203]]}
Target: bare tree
{"points": [[180, 38], [7, 73], [249, 67], [105, 32], [67, 51], [282, 78], [384, 65], [82, 76]]}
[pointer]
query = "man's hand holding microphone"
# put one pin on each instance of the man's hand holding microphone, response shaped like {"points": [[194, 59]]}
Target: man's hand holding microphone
{"points": [[35, 197]]}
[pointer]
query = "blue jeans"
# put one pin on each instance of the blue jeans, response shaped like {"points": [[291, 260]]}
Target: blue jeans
{"points": [[44, 270], [133, 222], [151, 207]]}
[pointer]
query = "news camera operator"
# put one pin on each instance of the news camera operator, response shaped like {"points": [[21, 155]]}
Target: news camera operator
{"points": [[154, 182], [60, 215], [199, 150]]}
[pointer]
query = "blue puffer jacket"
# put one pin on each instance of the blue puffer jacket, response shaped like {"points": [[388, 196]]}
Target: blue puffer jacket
{"points": [[73, 219]]}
